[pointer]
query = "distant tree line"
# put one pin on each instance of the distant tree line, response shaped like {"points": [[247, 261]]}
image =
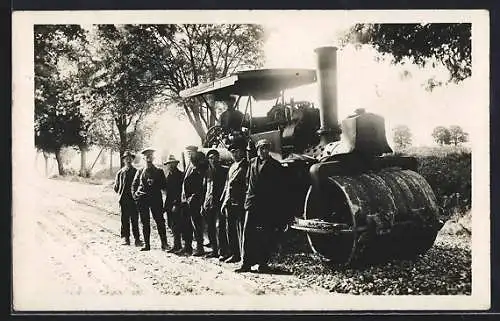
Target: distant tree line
{"points": [[402, 136]]}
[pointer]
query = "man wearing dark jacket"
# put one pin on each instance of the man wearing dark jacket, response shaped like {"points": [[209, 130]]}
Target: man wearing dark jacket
{"points": [[192, 197], [172, 204], [262, 206], [214, 185], [233, 198], [146, 190], [129, 214]]}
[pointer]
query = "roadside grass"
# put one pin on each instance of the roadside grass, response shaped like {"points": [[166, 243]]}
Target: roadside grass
{"points": [[78, 179]]}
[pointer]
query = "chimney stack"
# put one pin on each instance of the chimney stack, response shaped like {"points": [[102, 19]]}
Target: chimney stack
{"points": [[327, 79]]}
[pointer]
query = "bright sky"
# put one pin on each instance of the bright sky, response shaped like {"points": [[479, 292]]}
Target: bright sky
{"points": [[362, 83]]}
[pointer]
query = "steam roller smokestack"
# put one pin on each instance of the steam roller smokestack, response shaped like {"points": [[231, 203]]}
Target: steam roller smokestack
{"points": [[327, 80]]}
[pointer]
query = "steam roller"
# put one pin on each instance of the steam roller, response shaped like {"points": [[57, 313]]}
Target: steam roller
{"points": [[362, 203], [356, 200]]}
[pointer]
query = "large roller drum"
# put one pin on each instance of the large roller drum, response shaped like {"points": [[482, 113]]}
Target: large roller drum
{"points": [[370, 216]]}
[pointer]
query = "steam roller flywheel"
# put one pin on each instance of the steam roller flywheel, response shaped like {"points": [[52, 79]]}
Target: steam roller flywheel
{"points": [[371, 216]]}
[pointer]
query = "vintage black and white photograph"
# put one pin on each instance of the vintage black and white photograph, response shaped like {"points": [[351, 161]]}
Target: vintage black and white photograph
{"points": [[250, 160]]}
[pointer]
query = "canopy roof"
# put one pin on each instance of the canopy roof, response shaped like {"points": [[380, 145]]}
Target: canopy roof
{"points": [[260, 84]]}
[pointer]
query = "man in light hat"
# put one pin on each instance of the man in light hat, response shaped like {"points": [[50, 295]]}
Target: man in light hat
{"points": [[146, 190], [172, 204], [129, 214], [214, 185], [262, 205], [233, 198]]}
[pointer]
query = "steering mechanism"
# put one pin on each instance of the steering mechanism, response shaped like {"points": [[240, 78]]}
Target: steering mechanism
{"points": [[215, 137]]}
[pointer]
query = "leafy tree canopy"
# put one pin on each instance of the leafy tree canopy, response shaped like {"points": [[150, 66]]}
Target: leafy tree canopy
{"points": [[441, 135], [458, 135], [58, 120], [402, 136], [448, 43]]}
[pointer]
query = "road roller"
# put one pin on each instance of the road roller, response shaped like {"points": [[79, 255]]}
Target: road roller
{"points": [[355, 199]]}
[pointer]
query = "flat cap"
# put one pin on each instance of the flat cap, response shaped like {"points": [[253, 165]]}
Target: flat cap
{"points": [[212, 152], [238, 144], [128, 154], [263, 142], [192, 148]]}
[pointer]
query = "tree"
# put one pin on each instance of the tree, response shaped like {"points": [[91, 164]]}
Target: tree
{"points": [[447, 43], [402, 136], [457, 135], [123, 85], [193, 54], [441, 135], [58, 119]]}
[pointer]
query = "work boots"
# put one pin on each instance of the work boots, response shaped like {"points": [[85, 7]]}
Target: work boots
{"points": [[185, 251], [177, 244], [177, 247], [146, 247], [200, 251], [163, 237], [127, 241]]}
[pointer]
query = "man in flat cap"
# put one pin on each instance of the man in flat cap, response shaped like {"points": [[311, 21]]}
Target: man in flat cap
{"points": [[146, 190], [191, 197], [233, 199], [262, 206], [129, 214], [172, 204], [214, 185], [191, 153]]}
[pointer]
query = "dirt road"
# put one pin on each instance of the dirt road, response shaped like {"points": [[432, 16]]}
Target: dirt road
{"points": [[82, 254], [68, 255]]}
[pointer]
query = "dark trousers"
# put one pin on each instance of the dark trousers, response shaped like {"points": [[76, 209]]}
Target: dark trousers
{"points": [[193, 224], [222, 240], [129, 215], [258, 241], [211, 216], [235, 219], [156, 208], [175, 224]]}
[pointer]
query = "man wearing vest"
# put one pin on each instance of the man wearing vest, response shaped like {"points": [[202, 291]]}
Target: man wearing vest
{"points": [[129, 214], [146, 190]]}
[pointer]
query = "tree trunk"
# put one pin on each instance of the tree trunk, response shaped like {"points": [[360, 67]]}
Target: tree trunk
{"points": [[194, 118], [198, 126], [110, 161], [83, 161], [60, 165], [212, 119], [122, 132]]}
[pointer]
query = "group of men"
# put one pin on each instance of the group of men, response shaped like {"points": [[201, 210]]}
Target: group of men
{"points": [[239, 206]]}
